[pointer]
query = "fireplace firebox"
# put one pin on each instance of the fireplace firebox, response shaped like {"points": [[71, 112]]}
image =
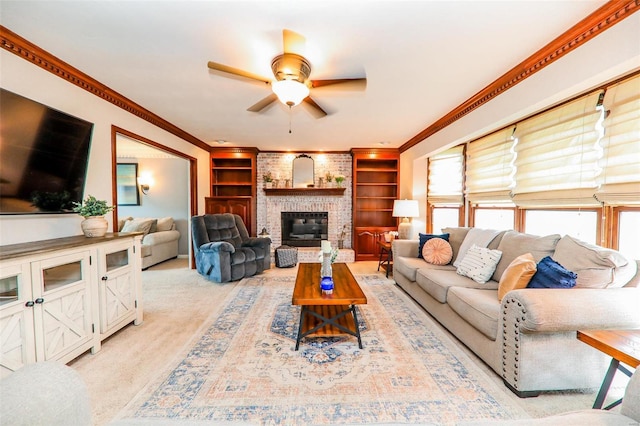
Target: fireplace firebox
{"points": [[304, 229]]}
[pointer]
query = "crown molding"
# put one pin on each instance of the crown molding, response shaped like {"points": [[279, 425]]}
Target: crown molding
{"points": [[17, 45], [599, 21]]}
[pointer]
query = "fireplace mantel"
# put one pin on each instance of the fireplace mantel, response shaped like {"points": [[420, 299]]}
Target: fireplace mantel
{"points": [[270, 192]]}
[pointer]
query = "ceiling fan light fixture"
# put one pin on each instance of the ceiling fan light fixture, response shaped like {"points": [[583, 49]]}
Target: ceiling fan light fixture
{"points": [[290, 92]]}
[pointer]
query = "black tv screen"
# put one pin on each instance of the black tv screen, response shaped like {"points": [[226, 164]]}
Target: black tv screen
{"points": [[43, 157]]}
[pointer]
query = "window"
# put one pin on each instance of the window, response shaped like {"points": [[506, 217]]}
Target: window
{"points": [[580, 224], [629, 233], [494, 218], [444, 217], [444, 188]]}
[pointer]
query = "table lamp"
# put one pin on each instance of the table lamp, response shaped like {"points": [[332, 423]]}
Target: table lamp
{"points": [[405, 209]]}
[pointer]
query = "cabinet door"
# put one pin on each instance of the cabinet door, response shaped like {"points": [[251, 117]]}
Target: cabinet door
{"points": [[240, 206], [117, 292], [62, 311], [17, 345], [366, 242]]}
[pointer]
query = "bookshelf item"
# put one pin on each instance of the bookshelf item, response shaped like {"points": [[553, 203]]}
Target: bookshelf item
{"points": [[233, 184], [375, 187]]}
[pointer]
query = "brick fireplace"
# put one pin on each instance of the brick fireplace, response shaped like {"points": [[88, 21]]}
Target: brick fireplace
{"points": [[337, 207]]}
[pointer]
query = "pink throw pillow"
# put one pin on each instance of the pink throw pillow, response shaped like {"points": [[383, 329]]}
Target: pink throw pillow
{"points": [[437, 251]]}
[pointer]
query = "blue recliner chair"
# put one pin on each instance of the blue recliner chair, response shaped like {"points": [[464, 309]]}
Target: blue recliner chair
{"points": [[223, 249]]}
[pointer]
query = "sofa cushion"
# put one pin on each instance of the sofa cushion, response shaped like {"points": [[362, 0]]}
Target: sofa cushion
{"points": [[456, 237], [596, 267], [423, 238], [165, 224], [479, 307], [517, 275], [514, 244], [143, 225], [479, 263], [478, 237], [551, 274], [407, 266], [437, 281], [437, 251]]}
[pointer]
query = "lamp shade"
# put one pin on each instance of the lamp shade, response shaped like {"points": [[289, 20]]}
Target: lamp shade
{"points": [[290, 92], [405, 208]]}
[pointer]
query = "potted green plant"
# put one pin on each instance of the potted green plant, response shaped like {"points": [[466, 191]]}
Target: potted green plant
{"points": [[93, 211], [267, 178], [339, 180], [329, 178]]}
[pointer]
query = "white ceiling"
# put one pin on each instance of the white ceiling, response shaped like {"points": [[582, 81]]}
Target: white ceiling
{"points": [[421, 59]]}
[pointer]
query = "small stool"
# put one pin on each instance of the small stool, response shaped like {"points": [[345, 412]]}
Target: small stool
{"points": [[385, 262], [286, 256]]}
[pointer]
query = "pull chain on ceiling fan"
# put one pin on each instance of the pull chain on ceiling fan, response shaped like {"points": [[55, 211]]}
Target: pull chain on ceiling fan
{"points": [[291, 71]]}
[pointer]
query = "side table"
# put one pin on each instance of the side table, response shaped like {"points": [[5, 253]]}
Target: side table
{"points": [[386, 256], [622, 346]]}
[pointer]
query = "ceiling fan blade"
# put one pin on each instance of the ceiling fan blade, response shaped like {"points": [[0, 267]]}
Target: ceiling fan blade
{"points": [[293, 42], [235, 71], [263, 103], [316, 110], [347, 83]]}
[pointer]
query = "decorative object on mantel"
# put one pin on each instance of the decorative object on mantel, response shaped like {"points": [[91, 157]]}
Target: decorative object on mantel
{"points": [[339, 180], [93, 211], [405, 209], [329, 178], [267, 178], [303, 191], [264, 233]]}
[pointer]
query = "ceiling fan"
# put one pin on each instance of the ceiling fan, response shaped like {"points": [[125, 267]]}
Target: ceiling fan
{"points": [[291, 81]]}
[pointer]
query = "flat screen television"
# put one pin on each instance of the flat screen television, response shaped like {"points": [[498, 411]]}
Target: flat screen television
{"points": [[43, 157]]}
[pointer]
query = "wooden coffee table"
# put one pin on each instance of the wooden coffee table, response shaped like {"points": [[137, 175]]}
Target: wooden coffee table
{"points": [[327, 314], [622, 346]]}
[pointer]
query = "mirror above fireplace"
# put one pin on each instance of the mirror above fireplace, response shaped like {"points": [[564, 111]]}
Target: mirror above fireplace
{"points": [[303, 176]]}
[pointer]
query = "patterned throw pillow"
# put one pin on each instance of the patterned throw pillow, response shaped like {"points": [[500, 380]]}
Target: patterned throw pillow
{"points": [[479, 263], [437, 251], [139, 225], [551, 274], [426, 237], [517, 275]]}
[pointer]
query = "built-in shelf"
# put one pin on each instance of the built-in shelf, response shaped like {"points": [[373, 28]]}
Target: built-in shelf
{"points": [[270, 192]]}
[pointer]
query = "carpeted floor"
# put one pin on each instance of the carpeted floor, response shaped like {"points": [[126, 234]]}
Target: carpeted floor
{"points": [[225, 351], [244, 367]]}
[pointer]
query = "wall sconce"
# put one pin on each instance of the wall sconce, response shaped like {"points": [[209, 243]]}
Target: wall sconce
{"points": [[405, 209], [145, 181]]}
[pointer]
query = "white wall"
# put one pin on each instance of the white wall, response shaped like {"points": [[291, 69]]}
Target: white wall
{"points": [[20, 76], [614, 53], [168, 196]]}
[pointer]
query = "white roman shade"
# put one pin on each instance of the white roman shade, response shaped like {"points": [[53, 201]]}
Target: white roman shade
{"points": [[445, 177], [557, 155], [489, 168], [620, 177]]}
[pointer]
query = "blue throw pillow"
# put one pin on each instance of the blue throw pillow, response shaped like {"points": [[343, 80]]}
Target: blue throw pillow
{"points": [[426, 237], [551, 274]]}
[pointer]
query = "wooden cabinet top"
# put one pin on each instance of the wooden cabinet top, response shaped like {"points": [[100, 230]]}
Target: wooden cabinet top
{"points": [[37, 247]]}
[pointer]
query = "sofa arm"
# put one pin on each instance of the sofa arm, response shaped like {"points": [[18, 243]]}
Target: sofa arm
{"points": [[405, 248], [160, 237], [216, 247], [559, 310], [44, 393]]}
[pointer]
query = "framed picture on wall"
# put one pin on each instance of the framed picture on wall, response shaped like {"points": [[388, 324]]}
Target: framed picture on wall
{"points": [[127, 180]]}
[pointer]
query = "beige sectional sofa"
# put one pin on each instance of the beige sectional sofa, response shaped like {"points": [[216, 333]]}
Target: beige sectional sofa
{"points": [[528, 338], [160, 240]]}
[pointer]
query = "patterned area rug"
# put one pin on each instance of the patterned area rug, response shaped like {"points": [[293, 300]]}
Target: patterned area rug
{"points": [[243, 368]]}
